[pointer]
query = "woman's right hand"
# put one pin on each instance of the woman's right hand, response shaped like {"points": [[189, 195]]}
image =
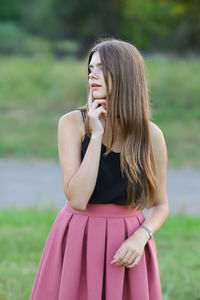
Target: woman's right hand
{"points": [[96, 120]]}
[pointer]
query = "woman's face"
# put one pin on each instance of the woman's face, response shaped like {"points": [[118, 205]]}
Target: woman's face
{"points": [[96, 77]]}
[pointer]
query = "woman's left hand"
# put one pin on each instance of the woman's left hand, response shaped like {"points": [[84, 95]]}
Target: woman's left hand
{"points": [[130, 251]]}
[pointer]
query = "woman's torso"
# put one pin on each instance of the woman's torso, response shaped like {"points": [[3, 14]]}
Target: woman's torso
{"points": [[110, 185]]}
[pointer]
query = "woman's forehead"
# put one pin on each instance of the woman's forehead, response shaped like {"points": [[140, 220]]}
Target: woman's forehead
{"points": [[95, 58]]}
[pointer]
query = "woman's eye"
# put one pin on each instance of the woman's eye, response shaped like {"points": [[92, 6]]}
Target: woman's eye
{"points": [[100, 68]]}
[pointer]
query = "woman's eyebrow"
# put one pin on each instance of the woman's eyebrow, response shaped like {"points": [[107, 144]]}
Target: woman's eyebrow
{"points": [[99, 64]]}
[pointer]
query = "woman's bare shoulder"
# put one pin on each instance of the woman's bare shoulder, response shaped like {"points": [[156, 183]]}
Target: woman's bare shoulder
{"points": [[158, 142], [155, 130], [73, 120]]}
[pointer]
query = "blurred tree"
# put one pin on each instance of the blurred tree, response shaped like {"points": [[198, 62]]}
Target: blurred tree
{"points": [[11, 37], [149, 24], [162, 24], [187, 31], [88, 20], [10, 10]]}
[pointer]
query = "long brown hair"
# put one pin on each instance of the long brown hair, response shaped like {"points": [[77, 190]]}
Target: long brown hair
{"points": [[128, 105]]}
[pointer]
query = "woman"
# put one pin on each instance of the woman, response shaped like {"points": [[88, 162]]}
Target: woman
{"points": [[114, 162]]}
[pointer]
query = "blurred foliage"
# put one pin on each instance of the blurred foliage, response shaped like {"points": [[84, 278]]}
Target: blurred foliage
{"points": [[149, 24], [10, 37], [13, 40]]}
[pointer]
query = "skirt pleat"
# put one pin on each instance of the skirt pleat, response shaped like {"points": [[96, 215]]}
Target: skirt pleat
{"points": [[96, 242], [76, 259]]}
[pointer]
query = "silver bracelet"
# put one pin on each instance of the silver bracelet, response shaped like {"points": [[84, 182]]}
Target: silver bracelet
{"points": [[148, 230]]}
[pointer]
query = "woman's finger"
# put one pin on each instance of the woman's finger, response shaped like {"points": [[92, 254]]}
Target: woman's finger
{"points": [[96, 102], [131, 259], [90, 98], [100, 110], [120, 256], [126, 258], [135, 262]]}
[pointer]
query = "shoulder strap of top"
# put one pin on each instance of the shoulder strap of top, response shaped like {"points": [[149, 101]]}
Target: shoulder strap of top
{"points": [[83, 114]]}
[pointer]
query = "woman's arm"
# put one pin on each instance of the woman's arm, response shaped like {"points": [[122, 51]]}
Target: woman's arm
{"points": [[130, 252], [79, 178], [159, 212]]}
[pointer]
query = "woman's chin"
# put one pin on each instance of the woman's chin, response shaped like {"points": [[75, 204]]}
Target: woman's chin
{"points": [[97, 95]]}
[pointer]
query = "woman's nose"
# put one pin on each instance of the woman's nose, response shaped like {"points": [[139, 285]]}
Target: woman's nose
{"points": [[93, 74]]}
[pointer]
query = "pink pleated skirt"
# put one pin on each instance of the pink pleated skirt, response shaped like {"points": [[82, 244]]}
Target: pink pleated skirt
{"points": [[75, 263]]}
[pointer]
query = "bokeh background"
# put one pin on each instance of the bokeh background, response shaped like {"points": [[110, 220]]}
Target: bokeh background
{"points": [[43, 47], [43, 75]]}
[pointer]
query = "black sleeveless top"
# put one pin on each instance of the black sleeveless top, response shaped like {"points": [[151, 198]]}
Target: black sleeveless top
{"points": [[111, 186]]}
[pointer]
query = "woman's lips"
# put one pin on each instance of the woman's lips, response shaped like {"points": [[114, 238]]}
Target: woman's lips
{"points": [[95, 87]]}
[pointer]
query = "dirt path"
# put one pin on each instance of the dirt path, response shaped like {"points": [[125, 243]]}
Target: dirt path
{"points": [[29, 183]]}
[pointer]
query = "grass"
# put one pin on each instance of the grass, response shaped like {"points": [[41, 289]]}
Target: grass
{"points": [[24, 233], [35, 92], [178, 245]]}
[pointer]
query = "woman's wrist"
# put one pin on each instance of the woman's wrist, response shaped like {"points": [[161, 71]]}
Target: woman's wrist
{"points": [[97, 135], [143, 233]]}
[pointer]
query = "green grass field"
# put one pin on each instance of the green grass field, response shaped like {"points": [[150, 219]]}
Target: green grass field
{"points": [[24, 233], [35, 92]]}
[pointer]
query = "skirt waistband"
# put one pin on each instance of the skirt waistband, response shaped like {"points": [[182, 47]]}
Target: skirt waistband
{"points": [[105, 210]]}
